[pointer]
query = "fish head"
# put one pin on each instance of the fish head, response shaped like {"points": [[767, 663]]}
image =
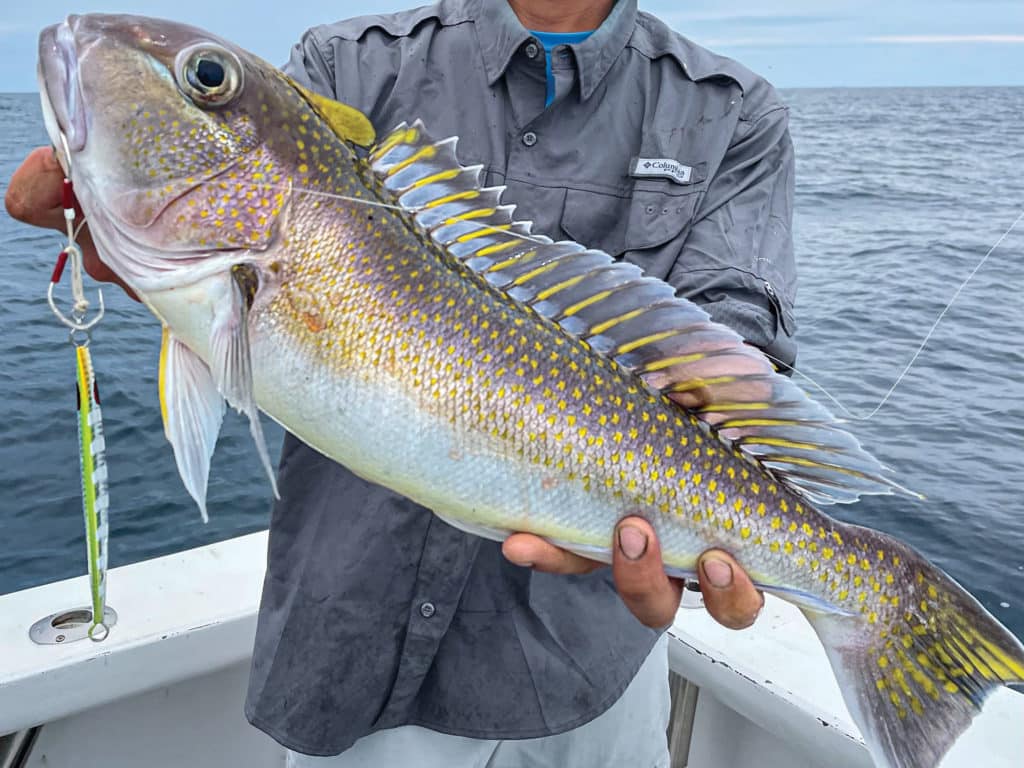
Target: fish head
{"points": [[183, 148], [185, 152]]}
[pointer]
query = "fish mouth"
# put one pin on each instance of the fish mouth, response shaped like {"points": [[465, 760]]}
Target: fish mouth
{"points": [[60, 89]]}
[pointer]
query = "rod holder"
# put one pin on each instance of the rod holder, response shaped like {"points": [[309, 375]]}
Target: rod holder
{"points": [[70, 626]]}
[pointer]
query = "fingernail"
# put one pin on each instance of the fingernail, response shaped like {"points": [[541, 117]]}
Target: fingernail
{"points": [[632, 542], [717, 572]]}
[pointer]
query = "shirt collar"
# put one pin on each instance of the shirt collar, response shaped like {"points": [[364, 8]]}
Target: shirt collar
{"points": [[501, 34]]}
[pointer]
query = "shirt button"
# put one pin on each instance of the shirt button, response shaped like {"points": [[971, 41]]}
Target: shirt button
{"points": [[427, 610], [531, 50], [529, 138]]}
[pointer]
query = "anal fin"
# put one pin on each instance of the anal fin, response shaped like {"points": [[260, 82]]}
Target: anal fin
{"points": [[192, 410], [474, 529]]}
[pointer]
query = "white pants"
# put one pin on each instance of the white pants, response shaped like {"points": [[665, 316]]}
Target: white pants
{"points": [[630, 733]]}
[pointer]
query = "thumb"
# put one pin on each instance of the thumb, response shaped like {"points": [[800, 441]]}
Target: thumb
{"points": [[729, 595]]}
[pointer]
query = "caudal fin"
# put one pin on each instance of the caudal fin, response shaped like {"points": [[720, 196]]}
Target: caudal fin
{"points": [[916, 673]]}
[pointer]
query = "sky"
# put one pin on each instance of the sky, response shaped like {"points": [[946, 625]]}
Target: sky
{"points": [[794, 43]]}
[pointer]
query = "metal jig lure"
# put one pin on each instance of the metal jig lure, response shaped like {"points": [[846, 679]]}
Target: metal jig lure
{"points": [[92, 446]]}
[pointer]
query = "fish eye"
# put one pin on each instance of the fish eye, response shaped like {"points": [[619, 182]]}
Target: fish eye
{"points": [[209, 73], [210, 76]]}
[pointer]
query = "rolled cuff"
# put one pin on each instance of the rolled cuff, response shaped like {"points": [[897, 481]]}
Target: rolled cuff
{"points": [[749, 305]]}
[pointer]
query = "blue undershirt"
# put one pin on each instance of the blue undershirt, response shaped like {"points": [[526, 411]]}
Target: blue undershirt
{"points": [[549, 40]]}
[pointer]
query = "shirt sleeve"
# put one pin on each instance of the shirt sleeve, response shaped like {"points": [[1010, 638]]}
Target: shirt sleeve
{"points": [[737, 261], [308, 66], [355, 61]]}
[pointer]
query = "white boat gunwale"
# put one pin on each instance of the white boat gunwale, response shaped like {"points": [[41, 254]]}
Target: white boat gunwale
{"points": [[765, 696]]}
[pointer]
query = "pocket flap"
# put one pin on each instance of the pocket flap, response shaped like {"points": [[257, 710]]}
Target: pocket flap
{"points": [[656, 217]]}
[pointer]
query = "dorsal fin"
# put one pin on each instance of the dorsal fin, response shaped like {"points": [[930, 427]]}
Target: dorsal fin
{"points": [[638, 321]]}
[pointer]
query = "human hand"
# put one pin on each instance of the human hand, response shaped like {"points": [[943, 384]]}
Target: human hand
{"points": [[653, 597], [35, 196]]}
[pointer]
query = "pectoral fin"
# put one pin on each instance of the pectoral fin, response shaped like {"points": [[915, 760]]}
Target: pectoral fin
{"points": [[192, 411], [232, 362]]}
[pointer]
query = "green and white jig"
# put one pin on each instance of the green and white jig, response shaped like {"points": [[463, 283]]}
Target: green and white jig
{"points": [[91, 444]]}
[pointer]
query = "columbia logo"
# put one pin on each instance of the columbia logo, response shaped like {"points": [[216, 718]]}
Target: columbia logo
{"points": [[662, 167]]}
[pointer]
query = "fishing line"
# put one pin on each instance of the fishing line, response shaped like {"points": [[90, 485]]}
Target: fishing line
{"points": [[920, 348], [379, 204]]}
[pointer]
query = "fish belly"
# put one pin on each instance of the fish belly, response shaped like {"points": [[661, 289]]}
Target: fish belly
{"points": [[376, 426]]}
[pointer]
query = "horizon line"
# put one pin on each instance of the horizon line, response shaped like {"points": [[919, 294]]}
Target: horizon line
{"points": [[784, 87]]}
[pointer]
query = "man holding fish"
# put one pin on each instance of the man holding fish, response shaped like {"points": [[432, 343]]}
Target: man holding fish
{"points": [[385, 634]]}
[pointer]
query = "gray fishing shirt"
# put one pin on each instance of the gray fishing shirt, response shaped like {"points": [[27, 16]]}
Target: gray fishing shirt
{"points": [[375, 613]]}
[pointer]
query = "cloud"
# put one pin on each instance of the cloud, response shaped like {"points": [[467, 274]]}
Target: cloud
{"points": [[944, 39], [759, 42], [746, 19], [789, 41]]}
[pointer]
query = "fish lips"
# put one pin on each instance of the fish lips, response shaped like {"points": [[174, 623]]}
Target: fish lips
{"points": [[60, 88]]}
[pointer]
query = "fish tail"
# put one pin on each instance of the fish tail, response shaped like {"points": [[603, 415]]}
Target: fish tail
{"points": [[916, 668]]}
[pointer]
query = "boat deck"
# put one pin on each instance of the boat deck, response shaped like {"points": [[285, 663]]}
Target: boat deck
{"points": [[166, 688]]}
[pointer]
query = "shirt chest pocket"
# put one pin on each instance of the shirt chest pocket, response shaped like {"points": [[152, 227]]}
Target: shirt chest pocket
{"points": [[647, 227]]}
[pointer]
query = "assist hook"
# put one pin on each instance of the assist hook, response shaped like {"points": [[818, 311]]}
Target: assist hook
{"points": [[77, 322]]}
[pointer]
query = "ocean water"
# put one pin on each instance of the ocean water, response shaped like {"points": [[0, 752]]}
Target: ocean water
{"points": [[900, 193]]}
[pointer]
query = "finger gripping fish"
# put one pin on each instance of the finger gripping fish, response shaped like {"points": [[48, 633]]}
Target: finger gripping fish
{"points": [[379, 303]]}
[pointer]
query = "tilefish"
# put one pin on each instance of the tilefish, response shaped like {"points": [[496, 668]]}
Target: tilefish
{"points": [[374, 299]]}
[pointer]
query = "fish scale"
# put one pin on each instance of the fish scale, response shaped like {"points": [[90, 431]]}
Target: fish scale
{"points": [[380, 304]]}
